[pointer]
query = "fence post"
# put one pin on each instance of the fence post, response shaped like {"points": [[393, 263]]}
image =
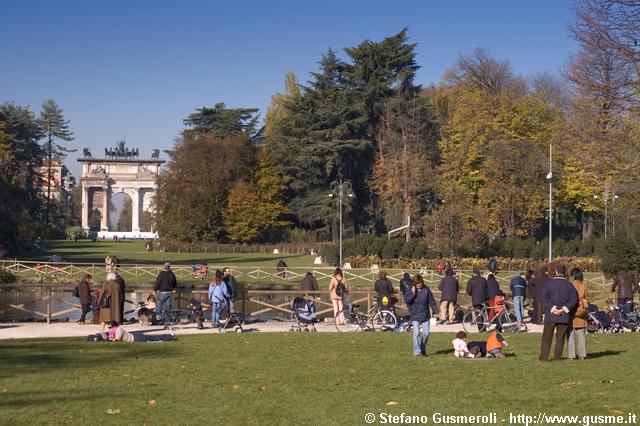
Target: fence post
{"points": [[48, 306]]}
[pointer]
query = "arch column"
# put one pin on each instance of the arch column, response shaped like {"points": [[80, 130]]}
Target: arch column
{"points": [[104, 223], [135, 210], [85, 208]]}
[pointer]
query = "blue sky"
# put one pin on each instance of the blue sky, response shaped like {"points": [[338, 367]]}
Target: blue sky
{"points": [[135, 69]]}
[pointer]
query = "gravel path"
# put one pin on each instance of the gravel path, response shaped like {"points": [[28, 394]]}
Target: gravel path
{"points": [[34, 330]]}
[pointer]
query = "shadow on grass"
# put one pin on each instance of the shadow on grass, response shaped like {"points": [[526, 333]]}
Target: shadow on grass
{"points": [[603, 354], [32, 356], [25, 399]]}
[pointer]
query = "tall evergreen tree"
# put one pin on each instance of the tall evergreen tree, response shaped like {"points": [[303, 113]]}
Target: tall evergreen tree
{"points": [[320, 142], [224, 123], [55, 127]]}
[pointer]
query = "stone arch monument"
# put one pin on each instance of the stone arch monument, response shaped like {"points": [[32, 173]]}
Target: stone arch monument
{"points": [[121, 170]]}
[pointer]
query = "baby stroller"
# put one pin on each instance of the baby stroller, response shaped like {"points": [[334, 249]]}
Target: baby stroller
{"points": [[229, 320], [303, 315], [599, 321]]}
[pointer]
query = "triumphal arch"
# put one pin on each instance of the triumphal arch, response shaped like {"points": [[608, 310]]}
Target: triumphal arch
{"points": [[121, 170]]}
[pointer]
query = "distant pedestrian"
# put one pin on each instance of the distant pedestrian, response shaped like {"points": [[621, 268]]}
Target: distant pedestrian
{"points": [[518, 287], [165, 286], [626, 286], [232, 287], [84, 293], [110, 300], [449, 288], [405, 283], [122, 286], [493, 266], [337, 289], [310, 287], [577, 330], [419, 299], [281, 266], [218, 295], [560, 298], [493, 293], [477, 289], [383, 288], [538, 283]]}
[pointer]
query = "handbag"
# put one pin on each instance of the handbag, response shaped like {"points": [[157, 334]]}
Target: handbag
{"points": [[105, 301]]}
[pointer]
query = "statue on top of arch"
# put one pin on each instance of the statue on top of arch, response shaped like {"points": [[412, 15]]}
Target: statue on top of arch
{"points": [[121, 152]]}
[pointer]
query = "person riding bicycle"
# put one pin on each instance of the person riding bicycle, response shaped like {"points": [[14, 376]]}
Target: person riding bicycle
{"points": [[384, 289]]}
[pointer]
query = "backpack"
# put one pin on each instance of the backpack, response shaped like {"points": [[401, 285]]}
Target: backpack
{"points": [[340, 289], [76, 292]]}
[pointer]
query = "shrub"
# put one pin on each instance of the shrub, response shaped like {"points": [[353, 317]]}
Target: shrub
{"points": [[6, 276], [74, 233]]}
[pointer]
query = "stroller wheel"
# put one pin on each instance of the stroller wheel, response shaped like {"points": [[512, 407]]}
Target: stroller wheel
{"points": [[238, 329]]}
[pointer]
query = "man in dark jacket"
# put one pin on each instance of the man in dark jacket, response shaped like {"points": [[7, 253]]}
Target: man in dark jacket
{"points": [[559, 297], [518, 287], [232, 288], [165, 286], [309, 284], [122, 286], [405, 283], [419, 299], [310, 287], [537, 284], [477, 289], [383, 287], [627, 286], [84, 293], [449, 289]]}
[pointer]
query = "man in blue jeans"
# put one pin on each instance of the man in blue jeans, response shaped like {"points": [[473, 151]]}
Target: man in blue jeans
{"points": [[164, 288], [518, 292], [419, 299]]}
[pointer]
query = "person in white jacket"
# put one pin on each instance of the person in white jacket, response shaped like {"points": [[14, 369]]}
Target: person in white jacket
{"points": [[460, 349]]}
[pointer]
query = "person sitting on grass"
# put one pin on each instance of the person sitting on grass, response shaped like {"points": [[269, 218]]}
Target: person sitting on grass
{"points": [[460, 349], [117, 333], [495, 343]]}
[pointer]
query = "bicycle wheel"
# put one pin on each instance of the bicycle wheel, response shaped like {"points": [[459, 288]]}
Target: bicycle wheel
{"points": [[473, 321], [509, 322], [384, 320], [344, 322]]}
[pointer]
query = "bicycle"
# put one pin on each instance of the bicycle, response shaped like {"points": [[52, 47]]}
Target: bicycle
{"points": [[478, 319], [377, 318]]}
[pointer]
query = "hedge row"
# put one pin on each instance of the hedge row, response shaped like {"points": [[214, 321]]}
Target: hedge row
{"points": [[587, 264]]}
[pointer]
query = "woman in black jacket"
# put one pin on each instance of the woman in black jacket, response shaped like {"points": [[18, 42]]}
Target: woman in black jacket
{"points": [[419, 299]]}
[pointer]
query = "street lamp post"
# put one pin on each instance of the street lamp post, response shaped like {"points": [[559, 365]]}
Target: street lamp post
{"points": [[340, 186], [614, 197], [550, 178]]}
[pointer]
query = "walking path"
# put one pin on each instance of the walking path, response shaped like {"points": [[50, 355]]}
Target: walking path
{"points": [[35, 330]]}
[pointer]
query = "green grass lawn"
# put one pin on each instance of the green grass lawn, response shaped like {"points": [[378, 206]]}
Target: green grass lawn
{"points": [[132, 252], [303, 379]]}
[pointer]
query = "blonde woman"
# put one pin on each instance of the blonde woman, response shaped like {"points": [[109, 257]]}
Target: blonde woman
{"points": [[579, 323], [337, 287]]}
